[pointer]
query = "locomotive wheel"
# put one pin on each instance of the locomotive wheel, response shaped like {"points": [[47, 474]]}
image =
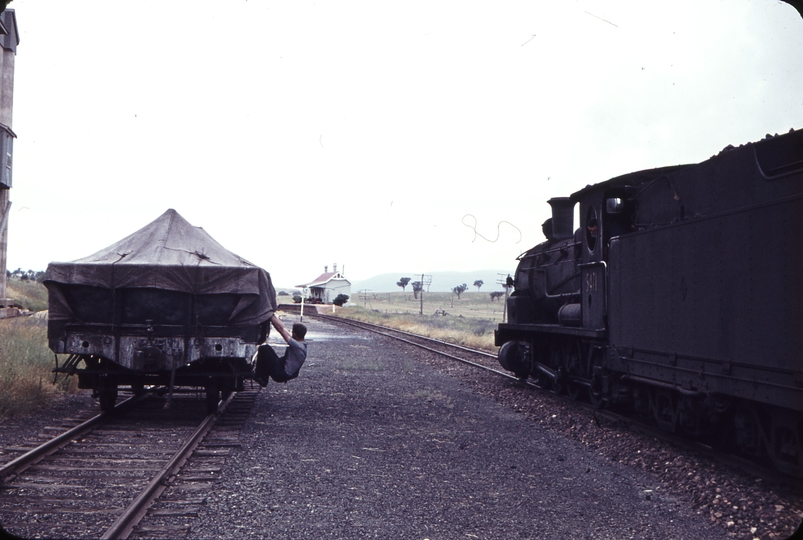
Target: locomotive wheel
{"points": [[596, 390], [787, 441], [573, 369], [664, 410], [556, 360], [574, 390], [749, 437], [595, 393]]}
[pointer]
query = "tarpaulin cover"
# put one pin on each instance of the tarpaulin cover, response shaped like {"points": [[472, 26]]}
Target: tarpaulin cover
{"points": [[168, 254]]}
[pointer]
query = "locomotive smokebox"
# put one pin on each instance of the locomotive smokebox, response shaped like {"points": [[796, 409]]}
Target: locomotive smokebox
{"points": [[562, 217]]}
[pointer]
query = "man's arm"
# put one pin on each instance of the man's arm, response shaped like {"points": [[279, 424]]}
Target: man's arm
{"points": [[279, 326]]}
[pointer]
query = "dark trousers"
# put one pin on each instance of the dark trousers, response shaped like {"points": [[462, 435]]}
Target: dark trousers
{"points": [[269, 364]]}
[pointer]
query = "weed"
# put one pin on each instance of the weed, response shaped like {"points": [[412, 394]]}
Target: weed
{"points": [[469, 321], [29, 294], [25, 367]]}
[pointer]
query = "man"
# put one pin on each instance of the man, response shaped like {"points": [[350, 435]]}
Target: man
{"points": [[269, 365]]}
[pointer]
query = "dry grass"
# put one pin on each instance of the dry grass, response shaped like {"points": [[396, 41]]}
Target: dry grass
{"points": [[28, 294], [469, 321], [25, 364]]}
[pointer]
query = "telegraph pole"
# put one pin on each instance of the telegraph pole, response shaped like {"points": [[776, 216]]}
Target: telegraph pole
{"points": [[425, 280], [364, 293]]}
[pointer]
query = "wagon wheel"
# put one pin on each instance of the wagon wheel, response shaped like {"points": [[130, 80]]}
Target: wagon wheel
{"points": [[138, 388], [227, 387], [107, 395], [573, 358], [212, 395]]}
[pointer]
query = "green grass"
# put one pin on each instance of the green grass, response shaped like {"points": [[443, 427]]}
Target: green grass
{"points": [[469, 321], [471, 304], [28, 294], [25, 364]]}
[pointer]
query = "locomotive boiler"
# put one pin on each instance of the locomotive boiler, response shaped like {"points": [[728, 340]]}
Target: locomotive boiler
{"points": [[165, 306], [679, 295]]}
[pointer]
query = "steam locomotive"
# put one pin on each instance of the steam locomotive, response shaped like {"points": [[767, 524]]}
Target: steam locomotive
{"points": [[680, 295], [166, 306]]}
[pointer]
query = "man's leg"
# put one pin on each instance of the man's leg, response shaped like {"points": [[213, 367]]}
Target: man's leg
{"points": [[277, 371], [267, 359]]}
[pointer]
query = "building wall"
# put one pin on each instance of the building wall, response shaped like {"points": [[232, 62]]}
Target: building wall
{"points": [[331, 289]]}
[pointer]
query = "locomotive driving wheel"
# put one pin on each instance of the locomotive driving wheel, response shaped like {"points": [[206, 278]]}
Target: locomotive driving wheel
{"points": [[596, 390], [572, 358], [556, 362]]}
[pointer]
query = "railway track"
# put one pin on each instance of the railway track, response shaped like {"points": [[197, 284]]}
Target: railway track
{"points": [[100, 479], [489, 363]]}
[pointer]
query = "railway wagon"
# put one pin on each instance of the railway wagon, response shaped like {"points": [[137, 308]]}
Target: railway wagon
{"points": [[679, 295], [165, 306]]}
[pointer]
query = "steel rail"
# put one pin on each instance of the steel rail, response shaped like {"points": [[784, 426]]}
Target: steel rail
{"points": [[35, 455], [132, 515], [373, 328]]}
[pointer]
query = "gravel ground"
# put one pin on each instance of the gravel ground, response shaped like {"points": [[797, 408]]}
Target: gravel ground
{"points": [[379, 440], [18, 430], [368, 442]]}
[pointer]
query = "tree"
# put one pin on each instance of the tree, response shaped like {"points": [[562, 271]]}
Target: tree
{"points": [[479, 283], [340, 299], [496, 295], [403, 282], [458, 290], [417, 288]]}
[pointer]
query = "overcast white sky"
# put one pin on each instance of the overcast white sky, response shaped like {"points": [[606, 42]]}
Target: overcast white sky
{"points": [[370, 134]]}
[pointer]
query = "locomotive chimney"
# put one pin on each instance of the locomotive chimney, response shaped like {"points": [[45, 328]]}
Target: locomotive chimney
{"points": [[562, 217]]}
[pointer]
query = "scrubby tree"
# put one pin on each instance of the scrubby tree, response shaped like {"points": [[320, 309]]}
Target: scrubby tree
{"points": [[460, 289], [340, 299], [403, 283], [479, 283]]}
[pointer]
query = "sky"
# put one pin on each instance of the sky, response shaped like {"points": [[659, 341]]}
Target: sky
{"points": [[381, 136]]}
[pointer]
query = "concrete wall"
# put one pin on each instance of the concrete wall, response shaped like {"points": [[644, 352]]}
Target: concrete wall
{"points": [[7, 59]]}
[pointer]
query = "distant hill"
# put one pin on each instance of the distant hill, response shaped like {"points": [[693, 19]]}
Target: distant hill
{"points": [[441, 281]]}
